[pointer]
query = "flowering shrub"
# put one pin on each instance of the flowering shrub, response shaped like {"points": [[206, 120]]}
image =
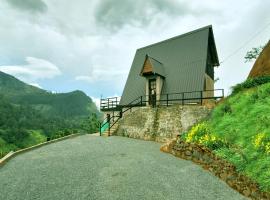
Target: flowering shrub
{"points": [[262, 142], [267, 148], [202, 134]]}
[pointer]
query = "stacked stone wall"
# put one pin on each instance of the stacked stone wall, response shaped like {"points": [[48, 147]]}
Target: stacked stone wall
{"points": [[161, 123]]}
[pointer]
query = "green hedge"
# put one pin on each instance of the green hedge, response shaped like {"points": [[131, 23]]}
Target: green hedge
{"points": [[250, 83]]}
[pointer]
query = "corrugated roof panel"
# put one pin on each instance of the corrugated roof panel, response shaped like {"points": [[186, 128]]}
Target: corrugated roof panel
{"points": [[158, 66], [183, 61]]}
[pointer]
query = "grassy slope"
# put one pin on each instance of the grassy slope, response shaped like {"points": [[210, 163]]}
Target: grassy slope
{"points": [[238, 120]]}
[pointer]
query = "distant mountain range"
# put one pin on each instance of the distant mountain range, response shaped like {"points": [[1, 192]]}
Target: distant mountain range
{"points": [[68, 105], [30, 115]]}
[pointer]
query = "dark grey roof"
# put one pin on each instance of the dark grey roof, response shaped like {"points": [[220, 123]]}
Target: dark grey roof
{"points": [[182, 62]]}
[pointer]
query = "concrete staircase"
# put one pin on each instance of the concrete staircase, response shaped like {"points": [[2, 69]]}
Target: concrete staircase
{"points": [[112, 130]]}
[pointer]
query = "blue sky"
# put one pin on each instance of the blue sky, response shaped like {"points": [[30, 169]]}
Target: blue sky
{"points": [[90, 45]]}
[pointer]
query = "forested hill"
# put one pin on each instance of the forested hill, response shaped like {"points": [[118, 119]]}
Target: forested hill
{"points": [[68, 105], [30, 115]]}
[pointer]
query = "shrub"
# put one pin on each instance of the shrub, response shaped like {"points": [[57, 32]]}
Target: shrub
{"points": [[202, 134], [262, 142], [250, 83]]}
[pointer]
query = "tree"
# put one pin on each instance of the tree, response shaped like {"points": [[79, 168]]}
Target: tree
{"points": [[253, 53]]}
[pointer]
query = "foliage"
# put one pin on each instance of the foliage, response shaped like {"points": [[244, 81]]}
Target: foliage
{"points": [[261, 142], [29, 115], [238, 130], [246, 129], [253, 53], [250, 83], [202, 134]]}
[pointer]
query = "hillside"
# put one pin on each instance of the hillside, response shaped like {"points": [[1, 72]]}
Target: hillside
{"points": [[238, 130], [30, 115], [262, 65], [68, 105]]}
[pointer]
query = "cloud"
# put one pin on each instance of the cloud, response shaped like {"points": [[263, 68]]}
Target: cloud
{"points": [[94, 41], [96, 101], [34, 69], [115, 14], [101, 75], [35, 6], [36, 85]]}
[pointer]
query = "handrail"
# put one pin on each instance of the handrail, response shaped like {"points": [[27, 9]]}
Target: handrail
{"points": [[185, 96]]}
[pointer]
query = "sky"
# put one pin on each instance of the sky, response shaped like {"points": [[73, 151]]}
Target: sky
{"points": [[61, 45]]}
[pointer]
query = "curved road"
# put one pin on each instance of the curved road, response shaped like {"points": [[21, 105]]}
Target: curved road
{"points": [[90, 167]]}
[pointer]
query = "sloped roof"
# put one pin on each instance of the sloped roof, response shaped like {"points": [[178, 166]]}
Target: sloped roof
{"points": [[156, 65], [183, 59]]}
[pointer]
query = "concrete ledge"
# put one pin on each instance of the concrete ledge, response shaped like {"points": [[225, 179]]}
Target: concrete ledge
{"points": [[13, 154]]}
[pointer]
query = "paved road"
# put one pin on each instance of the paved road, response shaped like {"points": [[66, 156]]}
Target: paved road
{"points": [[90, 167]]}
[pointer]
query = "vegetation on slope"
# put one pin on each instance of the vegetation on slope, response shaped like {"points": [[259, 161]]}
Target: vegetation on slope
{"points": [[239, 131], [29, 115]]}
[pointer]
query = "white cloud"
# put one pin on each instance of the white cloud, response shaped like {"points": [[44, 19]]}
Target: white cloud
{"points": [[36, 85], [34, 69], [101, 75], [77, 38], [96, 101]]}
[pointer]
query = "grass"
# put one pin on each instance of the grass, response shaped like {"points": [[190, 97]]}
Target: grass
{"points": [[237, 122], [35, 137]]}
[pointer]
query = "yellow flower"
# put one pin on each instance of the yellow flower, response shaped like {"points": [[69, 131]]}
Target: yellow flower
{"points": [[192, 132], [258, 141], [267, 147]]}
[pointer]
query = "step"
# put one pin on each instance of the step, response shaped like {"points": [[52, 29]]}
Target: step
{"points": [[105, 133]]}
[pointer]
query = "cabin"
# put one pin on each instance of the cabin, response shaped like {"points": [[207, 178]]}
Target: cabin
{"points": [[176, 70]]}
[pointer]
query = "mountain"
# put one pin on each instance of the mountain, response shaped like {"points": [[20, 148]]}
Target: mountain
{"points": [[30, 115], [68, 105]]}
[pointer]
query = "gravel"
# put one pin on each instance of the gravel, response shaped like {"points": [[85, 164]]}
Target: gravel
{"points": [[91, 167]]}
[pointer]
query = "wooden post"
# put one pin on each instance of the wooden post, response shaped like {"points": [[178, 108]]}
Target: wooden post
{"points": [[167, 100]]}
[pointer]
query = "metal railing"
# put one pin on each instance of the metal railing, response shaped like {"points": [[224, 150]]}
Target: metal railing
{"points": [[109, 103], [193, 97], [183, 98]]}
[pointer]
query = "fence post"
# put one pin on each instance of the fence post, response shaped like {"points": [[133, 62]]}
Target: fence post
{"points": [[108, 121], [99, 129], [141, 101], [201, 97], [120, 113], [108, 103], [183, 96], [167, 100]]}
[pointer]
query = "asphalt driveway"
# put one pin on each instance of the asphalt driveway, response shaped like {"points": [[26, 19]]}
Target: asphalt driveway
{"points": [[91, 167]]}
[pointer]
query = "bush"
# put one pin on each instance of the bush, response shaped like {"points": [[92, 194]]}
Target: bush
{"points": [[250, 83], [202, 134], [262, 142]]}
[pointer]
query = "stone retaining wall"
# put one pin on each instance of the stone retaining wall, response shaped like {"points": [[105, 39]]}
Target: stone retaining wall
{"points": [[162, 123], [219, 167]]}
